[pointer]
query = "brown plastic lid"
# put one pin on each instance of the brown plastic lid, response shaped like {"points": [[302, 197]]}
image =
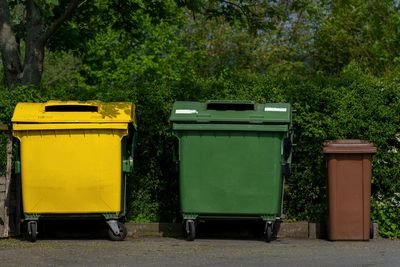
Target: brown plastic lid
{"points": [[349, 146]]}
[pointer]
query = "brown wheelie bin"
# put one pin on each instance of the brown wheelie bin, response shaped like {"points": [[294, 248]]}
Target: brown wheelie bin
{"points": [[349, 188]]}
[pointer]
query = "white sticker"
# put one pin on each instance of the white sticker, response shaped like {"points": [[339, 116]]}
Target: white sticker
{"points": [[275, 109], [186, 111]]}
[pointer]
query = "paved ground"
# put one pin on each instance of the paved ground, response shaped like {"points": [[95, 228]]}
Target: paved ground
{"points": [[201, 252]]}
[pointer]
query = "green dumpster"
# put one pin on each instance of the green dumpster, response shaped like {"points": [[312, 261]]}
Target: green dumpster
{"points": [[233, 157]]}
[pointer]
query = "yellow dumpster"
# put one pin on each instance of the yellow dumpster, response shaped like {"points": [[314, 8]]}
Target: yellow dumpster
{"points": [[74, 160]]}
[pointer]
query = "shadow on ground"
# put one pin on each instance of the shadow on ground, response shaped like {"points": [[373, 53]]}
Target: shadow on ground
{"points": [[70, 229], [230, 229]]}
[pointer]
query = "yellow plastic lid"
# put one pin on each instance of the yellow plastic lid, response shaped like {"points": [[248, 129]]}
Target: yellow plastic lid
{"points": [[75, 112]]}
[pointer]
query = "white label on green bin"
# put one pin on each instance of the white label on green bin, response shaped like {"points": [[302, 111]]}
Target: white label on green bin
{"points": [[186, 111], [275, 109]]}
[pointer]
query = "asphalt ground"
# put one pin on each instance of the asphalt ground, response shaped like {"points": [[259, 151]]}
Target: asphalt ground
{"points": [[97, 250]]}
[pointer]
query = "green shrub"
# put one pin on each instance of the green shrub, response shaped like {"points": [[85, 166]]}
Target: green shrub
{"points": [[354, 105], [386, 211]]}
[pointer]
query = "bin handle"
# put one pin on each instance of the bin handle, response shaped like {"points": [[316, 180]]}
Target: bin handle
{"points": [[71, 108]]}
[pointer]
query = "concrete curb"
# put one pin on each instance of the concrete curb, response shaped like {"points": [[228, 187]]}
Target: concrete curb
{"points": [[154, 229], [301, 230]]}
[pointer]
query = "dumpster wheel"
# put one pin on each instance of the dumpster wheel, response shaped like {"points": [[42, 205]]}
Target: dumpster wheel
{"points": [[123, 232], [268, 231], [32, 231], [190, 230]]}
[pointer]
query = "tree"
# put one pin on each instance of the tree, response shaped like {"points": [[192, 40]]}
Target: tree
{"points": [[255, 36], [249, 14], [29, 24], [365, 32]]}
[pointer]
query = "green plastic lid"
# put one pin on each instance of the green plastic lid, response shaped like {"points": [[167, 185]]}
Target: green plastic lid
{"points": [[216, 111]]}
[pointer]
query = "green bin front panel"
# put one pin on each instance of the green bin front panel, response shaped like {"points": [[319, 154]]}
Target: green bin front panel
{"points": [[235, 173]]}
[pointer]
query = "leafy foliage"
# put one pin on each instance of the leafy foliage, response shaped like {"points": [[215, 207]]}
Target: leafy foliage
{"points": [[363, 31], [387, 212]]}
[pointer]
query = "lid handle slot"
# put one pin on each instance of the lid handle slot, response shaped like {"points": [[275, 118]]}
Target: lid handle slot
{"points": [[230, 106], [71, 108]]}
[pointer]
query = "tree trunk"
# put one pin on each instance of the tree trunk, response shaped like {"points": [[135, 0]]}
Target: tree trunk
{"points": [[35, 42], [37, 32], [9, 48]]}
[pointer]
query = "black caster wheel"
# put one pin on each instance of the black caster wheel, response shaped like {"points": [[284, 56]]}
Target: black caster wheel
{"points": [[32, 231], [268, 232], [123, 232], [190, 230]]}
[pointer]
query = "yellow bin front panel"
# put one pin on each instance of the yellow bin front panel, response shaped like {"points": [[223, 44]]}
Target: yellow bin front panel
{"points": [[71, 171]]}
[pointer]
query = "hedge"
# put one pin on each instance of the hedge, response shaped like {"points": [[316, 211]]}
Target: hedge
{"points": [[353, 105]]}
